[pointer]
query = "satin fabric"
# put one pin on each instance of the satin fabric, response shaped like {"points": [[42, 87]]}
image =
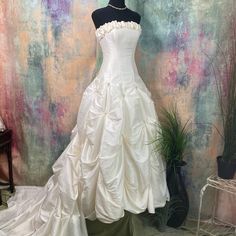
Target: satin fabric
{"points": [[120, 170], [52, 210], [108, 166]]}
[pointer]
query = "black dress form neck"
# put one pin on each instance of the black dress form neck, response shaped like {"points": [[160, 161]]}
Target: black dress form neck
{"points": [[117, 3], [108, 14]]}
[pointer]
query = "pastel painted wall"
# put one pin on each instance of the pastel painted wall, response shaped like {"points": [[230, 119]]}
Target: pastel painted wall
{"points": [[48, 55], [46, 63]]}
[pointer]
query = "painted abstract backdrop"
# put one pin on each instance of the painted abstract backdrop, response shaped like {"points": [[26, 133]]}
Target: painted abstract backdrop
{"points": [[49, 54]]}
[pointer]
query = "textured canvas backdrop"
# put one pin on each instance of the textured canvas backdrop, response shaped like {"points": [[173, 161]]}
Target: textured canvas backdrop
{"points": [[48, 55]]}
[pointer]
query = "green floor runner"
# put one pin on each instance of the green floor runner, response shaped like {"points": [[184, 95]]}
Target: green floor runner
{"points": [[129, 225]]}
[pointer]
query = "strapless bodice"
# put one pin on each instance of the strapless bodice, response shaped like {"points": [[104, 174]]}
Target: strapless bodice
{"points": [[118, 41]]}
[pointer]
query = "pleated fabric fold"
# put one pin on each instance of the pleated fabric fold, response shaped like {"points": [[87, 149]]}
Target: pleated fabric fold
{"points": [[52, 210], [120, 170]]}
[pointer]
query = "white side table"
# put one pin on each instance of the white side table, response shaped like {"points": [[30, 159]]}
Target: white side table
{"points": [[215, 226]]}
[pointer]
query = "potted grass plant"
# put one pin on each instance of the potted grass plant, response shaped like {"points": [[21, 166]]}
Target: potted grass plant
{"points": [[227, 99], [226, 162], [171, 141], [224, 70]]}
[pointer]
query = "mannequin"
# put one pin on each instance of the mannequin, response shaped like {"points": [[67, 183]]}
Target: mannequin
{"points": [[108, 13]]}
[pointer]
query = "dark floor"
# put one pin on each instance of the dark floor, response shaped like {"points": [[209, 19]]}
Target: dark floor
{"points": [[140, 228]]}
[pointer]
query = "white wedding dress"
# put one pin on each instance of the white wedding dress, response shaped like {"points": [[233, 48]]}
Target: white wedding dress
{"points": [[108, 166]]}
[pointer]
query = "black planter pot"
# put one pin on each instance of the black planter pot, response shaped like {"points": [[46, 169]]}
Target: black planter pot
{"points": [[226, 169], [178, 205]]}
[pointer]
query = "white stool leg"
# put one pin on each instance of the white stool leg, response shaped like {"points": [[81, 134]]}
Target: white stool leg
{"points": [[200, 208]]}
